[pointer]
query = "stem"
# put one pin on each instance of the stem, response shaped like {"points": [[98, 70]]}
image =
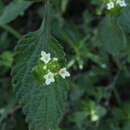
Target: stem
{"points": [[45, 26], [46, 17], [117, 96], [112, 87], [11, 31]]}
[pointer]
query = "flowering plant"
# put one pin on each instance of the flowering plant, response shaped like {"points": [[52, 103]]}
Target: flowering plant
{"points": [[42, 41], [49, 68], [114, 6]]}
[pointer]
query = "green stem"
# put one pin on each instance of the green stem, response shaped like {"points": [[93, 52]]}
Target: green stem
{"points": [[46, 17], [11, 31], [117, 96]]}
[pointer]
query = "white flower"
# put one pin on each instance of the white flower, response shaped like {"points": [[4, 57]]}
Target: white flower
{"points": [[110, 5], [64, 73], [45, 57], [122, 3], [49, 77]]}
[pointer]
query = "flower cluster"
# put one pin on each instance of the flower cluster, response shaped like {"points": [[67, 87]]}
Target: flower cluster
{"points": [[48, 68], [115, 3]]}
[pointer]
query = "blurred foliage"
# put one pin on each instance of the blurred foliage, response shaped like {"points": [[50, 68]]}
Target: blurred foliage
{"points": [[97, 47]]}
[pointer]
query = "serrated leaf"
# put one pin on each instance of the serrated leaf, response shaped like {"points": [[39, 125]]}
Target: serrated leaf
{"points": [[43, 105], [111, 36], [124, 18], [13, 10]]}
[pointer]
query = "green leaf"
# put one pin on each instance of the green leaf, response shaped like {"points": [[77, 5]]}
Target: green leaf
{"points": [[59, 5], [79, 118], [101, 111], [13, 10], [127, 127], [43, 105], [64, 5], [124, 18], [1, 6], [6, 59], [111, 36]]}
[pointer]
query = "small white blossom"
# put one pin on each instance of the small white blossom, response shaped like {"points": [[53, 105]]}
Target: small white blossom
{"points": [[64, 73], [122, 3], [45, 57], [49, 77], [110, 5]]}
